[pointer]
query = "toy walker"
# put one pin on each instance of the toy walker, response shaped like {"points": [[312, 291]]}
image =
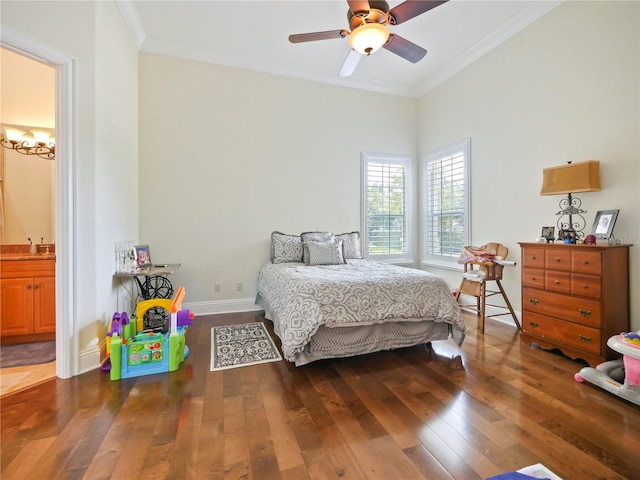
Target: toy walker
{"points": [[620, 377], [132, 352]]}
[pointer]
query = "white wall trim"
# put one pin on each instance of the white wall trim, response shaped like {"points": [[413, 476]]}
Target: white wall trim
{"points": [[223, 306], [89, 359], [67, 363], [131, 18]]}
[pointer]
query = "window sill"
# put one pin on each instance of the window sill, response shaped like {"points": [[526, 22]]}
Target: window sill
{"points": [[455, 266]]}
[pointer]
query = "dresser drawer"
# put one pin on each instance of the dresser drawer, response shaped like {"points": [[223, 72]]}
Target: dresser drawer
{"points": [[586, 286], [586, 262], [573, 309], [557, 281], [533, 257], [533, 277], [558, 259], [572, 335]]}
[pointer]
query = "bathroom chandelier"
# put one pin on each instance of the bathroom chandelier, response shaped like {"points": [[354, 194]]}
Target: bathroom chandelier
{"points": [[40, 143]]}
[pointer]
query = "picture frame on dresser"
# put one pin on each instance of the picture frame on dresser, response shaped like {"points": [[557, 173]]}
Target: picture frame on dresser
{"points": [[548, 233], [603, 223]]}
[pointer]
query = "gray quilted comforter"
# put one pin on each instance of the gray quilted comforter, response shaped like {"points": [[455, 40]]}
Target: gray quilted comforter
{"points": [[300, 298]]}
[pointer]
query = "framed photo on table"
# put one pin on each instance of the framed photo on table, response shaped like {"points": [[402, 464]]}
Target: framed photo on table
{"points": [[604, 223], [143, 256]]}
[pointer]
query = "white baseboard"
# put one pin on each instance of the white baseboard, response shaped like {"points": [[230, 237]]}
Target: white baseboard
{"points": [[223, 306], [89, 359]]}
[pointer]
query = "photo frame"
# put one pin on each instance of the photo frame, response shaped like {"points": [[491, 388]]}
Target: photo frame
{"points": [[604, 222], [569, 236], [143, 256], [549, 233]]}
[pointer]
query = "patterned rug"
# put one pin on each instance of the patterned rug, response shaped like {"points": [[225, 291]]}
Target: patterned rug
{"points": [[27, 354], [241, 345]]}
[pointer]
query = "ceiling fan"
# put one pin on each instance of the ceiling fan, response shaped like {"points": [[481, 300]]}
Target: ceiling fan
{"points": [[368, 22]]}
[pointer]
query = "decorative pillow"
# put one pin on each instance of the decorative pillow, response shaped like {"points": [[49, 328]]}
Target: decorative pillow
{"points": [[324, 253], [285, 248], [314, 237], [350, 244]]}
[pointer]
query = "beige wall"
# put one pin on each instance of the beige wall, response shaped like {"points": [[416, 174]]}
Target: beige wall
{"points": [[27, 98], [565, 89], [227, 156]]}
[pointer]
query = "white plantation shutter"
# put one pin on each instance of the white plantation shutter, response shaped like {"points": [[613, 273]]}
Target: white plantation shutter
{"points": [[385, 206], [446, 194]]}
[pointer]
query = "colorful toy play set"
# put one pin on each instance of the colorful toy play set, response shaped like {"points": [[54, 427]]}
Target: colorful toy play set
{"points": [[620, 377], [133, 351]]}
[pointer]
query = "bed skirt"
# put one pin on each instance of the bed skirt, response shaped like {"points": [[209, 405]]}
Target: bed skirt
{"points": [[350, 341]]}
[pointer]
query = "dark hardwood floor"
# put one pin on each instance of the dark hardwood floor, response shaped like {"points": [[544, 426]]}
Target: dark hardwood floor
{"points": [[488, 407]]}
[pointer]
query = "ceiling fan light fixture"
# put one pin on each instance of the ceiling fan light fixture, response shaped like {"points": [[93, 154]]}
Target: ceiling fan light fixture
{"points": [[368, 38]]}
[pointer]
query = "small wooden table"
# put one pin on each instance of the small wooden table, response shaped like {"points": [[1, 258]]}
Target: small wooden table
{"points": [[155, 283]]}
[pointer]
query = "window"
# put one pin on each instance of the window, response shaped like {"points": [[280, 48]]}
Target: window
{"points": [[446, 203], [385, 213]]}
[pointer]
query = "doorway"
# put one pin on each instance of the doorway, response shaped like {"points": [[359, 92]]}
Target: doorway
{"points": [[66, 338]]}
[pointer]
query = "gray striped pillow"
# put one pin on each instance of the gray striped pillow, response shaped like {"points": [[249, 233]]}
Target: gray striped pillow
{"points": [[324, 253]]}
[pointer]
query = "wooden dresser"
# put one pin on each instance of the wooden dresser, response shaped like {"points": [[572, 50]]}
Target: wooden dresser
{"points": [[574, 297]]}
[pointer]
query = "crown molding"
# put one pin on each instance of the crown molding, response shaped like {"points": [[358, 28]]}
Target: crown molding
{"points": [[131, 18]]}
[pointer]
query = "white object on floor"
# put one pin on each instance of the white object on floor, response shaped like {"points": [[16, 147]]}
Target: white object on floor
{"points": [[539, 471]]}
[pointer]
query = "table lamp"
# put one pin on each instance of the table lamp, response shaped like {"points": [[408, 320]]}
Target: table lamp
{"points": [[567, 180]]}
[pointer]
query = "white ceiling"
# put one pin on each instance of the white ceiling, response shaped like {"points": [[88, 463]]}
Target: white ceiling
{"points": [[254, 35]]}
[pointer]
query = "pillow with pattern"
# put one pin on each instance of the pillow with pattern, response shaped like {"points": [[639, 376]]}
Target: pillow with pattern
{"points": [[350, 244], [285, 248], [324, 253], [314, 237]]}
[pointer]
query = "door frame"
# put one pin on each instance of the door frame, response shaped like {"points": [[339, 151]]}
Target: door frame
{"points": [[67, 359]]}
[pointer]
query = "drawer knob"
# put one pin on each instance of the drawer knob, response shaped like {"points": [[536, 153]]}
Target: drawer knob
{"points": [[28, 287], [534, 301], [584, 313], [557, 282], [533, 324], [586, 262], [584, 338], [557, 259], [36, 286], [585, 286]]}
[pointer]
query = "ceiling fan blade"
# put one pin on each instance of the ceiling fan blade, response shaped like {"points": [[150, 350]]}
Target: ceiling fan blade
{"points": [[406, 49], [312, 37], [412, 8], [350, 63], [359, 7]]}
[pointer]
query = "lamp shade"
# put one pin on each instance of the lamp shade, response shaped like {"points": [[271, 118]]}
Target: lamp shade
{"points": [[368, 38], [571, 178]]}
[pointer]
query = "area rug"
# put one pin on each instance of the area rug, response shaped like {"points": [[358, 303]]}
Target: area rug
{"points": [[241, 345], [27, 354]]}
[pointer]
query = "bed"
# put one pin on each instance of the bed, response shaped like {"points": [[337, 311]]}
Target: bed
{"points": [[335, 304]]}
